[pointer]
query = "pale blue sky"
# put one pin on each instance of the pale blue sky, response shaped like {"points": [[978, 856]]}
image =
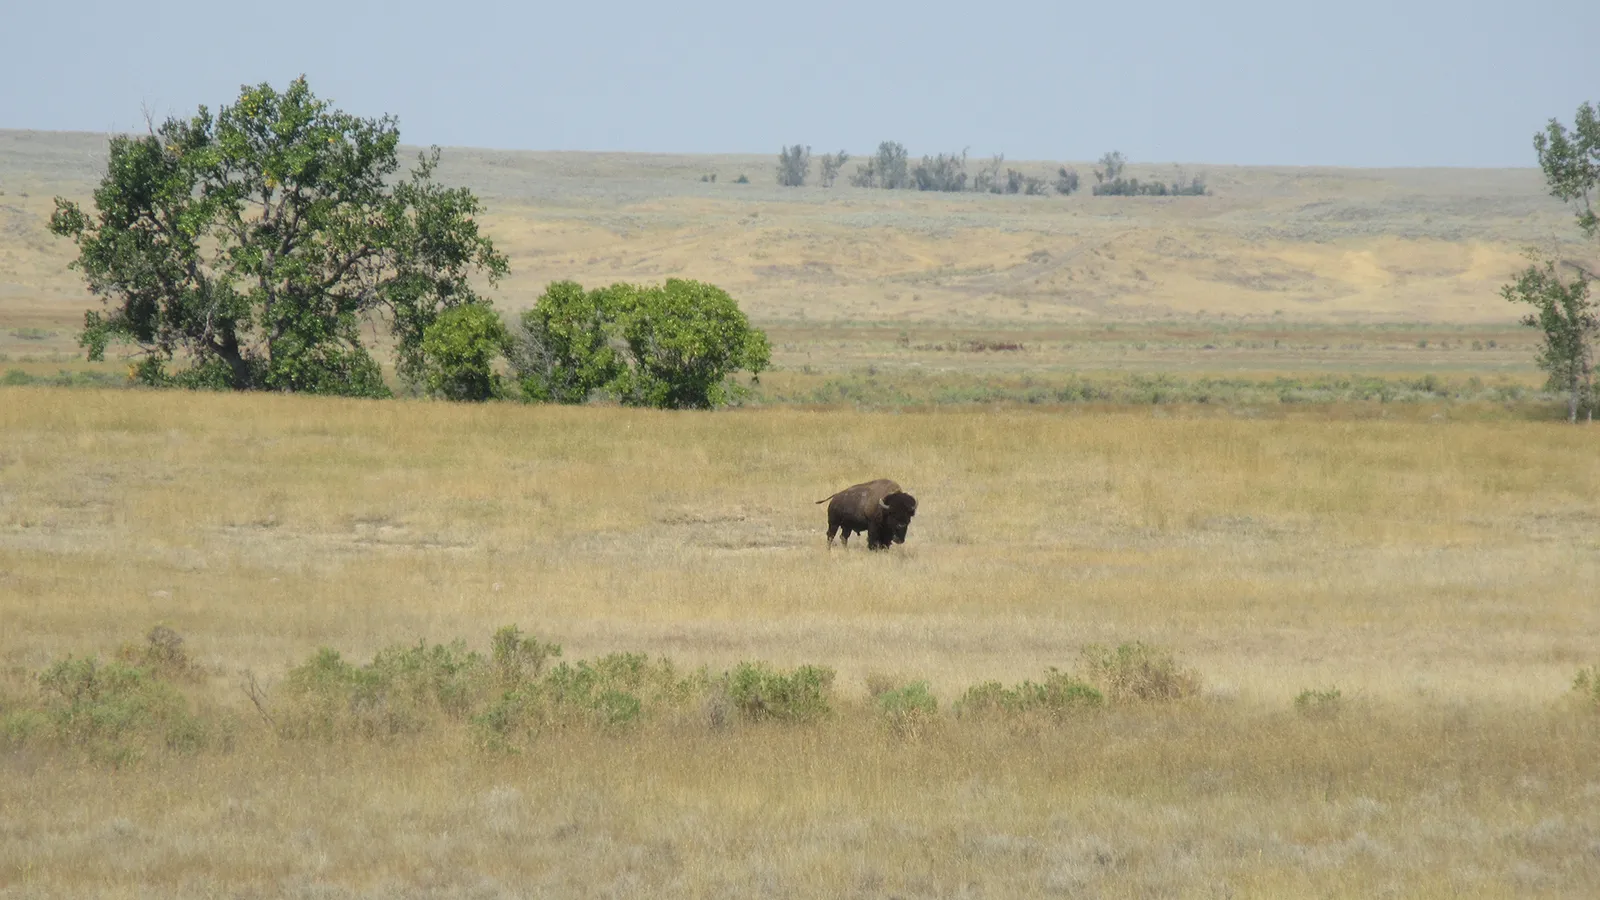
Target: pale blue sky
{"points": [[1359, 83]]}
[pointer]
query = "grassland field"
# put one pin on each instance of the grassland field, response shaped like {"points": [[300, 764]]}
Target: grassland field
{"points": [[1287, 432]]}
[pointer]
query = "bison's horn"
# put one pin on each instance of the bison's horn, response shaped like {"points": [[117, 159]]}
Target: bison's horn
{"points": [[882, 503]]}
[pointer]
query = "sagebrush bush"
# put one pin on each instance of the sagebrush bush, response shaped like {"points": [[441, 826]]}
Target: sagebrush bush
{"points": [[514, 695], [114, 711], [1138, 671], [1323, 704], [760, 693], [1586, 685], [614, 691], [518, 658], [1059, 695], [907, 710], [328, 697]]}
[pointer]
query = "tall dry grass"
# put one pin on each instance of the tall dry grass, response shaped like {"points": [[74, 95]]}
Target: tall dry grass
{"points": [[1440, 574]]}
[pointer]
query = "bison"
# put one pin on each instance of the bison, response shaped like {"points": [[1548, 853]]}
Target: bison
{"points": [[879, 508]]}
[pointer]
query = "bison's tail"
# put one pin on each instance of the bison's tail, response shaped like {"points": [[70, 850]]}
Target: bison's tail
{"points": [[830, 496]]}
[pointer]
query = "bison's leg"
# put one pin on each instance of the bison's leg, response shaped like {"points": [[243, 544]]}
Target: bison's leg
{"points": [[875, 540], [833, 529], [844, 537]]}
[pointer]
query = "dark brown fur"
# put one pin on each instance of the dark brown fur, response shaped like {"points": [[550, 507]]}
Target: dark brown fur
{"points": [[879, 508]]}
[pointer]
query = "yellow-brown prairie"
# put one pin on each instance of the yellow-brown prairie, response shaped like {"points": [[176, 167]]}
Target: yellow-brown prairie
{"points": [[1385, 601]]}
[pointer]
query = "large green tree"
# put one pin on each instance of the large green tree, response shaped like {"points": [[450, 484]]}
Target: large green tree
{"points": [[249, 248], [1559, 290]]}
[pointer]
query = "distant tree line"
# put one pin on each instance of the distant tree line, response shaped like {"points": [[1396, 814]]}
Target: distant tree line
{"points": [[891, 168], [1109, 182]]}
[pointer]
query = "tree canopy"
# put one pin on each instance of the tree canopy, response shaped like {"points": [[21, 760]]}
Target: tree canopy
{"points": [[251, 246], [669, 346], [1571, 164], [1563, 308]]}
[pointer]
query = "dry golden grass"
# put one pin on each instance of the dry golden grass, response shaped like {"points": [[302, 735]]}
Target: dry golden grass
{"points": [[1440, 573]]}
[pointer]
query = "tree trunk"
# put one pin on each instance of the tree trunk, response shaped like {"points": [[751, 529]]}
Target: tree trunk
{"points": [[228, 350]]}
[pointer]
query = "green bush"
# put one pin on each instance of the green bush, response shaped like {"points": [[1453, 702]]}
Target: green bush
{"points": [[614, 691], [18, 726], [399, 692], [517, 658], [1586, 685], [760, 693], [1137, 671], [945, 172], [1058, 696], [114, 711], [1314, 704], [459, 350], [908, 709], [563, 353], [684, 339], [672, 346], [794, 163]]}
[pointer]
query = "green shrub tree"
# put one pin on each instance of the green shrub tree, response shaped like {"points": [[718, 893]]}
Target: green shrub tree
{"points": [[1566, 314], [889, 168], [459, 351], [564, 352], [683, 340], [253, 244], [831, 164], [794, 163], [1563, 308], [670, 346], [945, 172]]}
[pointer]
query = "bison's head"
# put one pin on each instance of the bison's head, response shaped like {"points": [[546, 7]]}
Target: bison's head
{"points": [[898, 508]]}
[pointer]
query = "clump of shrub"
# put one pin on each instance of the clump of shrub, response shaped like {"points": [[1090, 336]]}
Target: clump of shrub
{"points": [[459, 350], [671, 346], [162, 654], [761, 693], [1319, 705], [614, 691], [1060, 695], [113, 711], [511, 694], [518, 657], [400, 692], [1139, 672], [1586, 686], [907, 710], [518, 692]]}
